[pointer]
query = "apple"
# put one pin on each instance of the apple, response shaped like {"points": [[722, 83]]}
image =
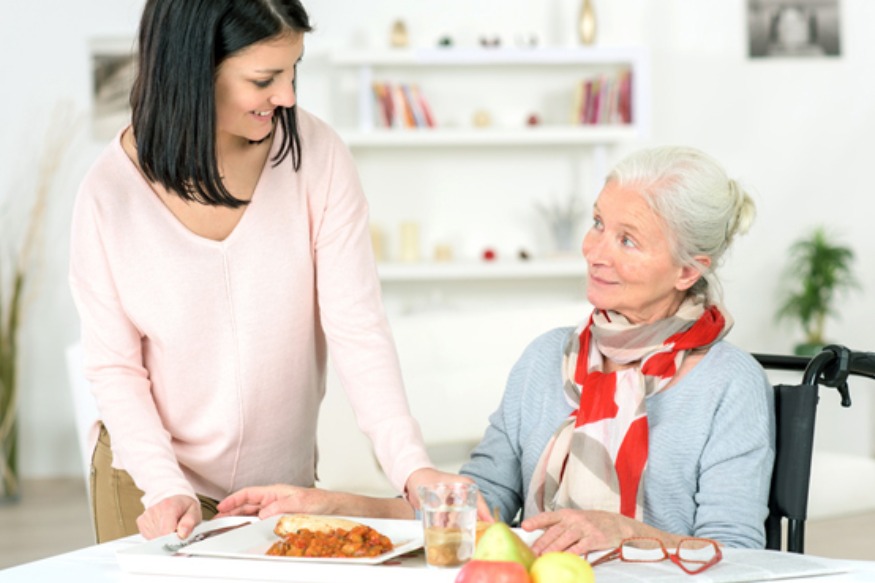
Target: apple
{"points": [[475, 571], [561, 567], [500, 543]]}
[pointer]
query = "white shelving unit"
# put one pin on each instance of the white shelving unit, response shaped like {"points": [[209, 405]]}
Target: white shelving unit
{"points": [[509, 82], [369, 64], [483, 270], [502, 137]]}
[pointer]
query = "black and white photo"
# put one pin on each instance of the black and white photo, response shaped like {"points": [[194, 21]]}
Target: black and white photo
{"points": [[794, 28]]}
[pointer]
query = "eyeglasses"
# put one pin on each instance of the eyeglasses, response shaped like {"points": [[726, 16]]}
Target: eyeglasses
{"points": [[693, 555]]}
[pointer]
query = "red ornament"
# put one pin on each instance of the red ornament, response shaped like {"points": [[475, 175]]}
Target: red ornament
{"points": [[489, 255]]}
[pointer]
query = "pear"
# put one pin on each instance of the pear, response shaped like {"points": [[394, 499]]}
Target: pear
{"points": [[561, 567], [500, 543]]}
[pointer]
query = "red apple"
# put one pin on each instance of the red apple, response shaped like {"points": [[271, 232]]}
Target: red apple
{"points": [[492, 572]]}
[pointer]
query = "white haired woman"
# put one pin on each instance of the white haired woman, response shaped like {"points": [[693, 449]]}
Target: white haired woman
{"points": [[643, 420]]}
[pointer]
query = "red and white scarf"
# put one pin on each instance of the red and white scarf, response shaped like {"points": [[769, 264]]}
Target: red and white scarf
{"points": [[596, 458]]}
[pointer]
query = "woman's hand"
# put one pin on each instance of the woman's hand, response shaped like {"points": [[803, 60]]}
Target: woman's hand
{"points": [[579, 531], [425, 476], [266, 501], [177, 513]]}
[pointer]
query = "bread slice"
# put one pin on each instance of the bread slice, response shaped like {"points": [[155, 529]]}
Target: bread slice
{"points": [[292, 523]]}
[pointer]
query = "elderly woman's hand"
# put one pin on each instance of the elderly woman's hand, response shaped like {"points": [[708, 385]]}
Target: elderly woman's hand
{"points": [[579, 531], [265, 501]]}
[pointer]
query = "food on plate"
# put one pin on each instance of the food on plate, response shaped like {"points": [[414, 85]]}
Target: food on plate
{"points": [[327, 537], [292, 523]]}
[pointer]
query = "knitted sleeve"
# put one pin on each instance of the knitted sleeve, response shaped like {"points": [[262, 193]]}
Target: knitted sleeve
{"points": [[530, 410]]}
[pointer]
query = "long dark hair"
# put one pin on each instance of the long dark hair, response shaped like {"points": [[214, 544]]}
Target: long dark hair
{"points": [[181, 45]]}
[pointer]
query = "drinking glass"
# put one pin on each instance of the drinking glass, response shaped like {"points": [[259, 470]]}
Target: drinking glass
{"points": [[449, 522]]}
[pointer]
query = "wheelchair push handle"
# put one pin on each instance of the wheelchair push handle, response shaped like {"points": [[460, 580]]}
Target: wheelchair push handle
{"points": [[832, 366]]}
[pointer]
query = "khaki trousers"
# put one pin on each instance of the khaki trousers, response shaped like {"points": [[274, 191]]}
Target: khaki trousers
{"points": [[115, 499]]}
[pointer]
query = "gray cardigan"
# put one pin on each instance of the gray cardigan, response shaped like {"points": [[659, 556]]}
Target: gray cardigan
{"points": [[711, 450]]}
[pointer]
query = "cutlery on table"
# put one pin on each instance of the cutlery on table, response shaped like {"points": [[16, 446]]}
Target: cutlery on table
{"points": [[173, 547]]}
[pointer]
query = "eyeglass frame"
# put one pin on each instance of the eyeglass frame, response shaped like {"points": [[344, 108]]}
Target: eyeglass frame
{"points": [[617, 553]]}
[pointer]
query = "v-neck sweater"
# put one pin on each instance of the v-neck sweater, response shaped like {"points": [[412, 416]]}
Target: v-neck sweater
{"points": [[207, 359]]}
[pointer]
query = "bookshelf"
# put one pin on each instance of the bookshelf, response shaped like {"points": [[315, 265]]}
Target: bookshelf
{"points": [[399, 164], [459, 271], [470, 65], [503, 137]]}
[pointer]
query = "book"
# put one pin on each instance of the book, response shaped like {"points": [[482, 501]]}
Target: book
{"points": [[382, 105], [401, 105], [424, 107], [603, 99], [412, 104]]}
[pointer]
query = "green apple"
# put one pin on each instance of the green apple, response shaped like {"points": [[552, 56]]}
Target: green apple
{"points": [[561, 567], [500, 543]]}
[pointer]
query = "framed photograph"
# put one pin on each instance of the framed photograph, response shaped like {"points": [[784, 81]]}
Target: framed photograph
{"points": [[112, 72], [793, 28]]}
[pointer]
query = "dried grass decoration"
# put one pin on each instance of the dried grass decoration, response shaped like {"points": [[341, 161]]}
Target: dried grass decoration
{"points": [[564, 220], [20, 258]]}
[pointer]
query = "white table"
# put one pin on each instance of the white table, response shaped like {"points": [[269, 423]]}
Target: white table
{"points": [[99, 564]]}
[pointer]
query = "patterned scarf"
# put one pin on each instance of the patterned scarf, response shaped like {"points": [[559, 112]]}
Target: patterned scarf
{"points": [[596, 458]]}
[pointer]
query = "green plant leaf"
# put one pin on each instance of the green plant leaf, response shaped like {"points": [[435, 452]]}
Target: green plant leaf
{"points": [[819, 269]]}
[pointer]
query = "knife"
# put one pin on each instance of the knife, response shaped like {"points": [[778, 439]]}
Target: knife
{"points": [[173, 547]]}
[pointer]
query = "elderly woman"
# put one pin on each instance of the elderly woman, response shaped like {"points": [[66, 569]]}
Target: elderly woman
{"points": [[642, 421]]}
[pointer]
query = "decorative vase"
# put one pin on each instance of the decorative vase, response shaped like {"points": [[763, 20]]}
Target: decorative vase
{"points": [[409, 242], [10, 315], [565, 237], [586, 23], [9, 479], [399, 38], [9, 487]]}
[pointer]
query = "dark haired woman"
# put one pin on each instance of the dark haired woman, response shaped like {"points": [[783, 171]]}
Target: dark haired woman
{"points": [[220, 249]]}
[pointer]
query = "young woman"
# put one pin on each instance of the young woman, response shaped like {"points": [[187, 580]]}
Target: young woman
{"points": [[220, 251]]}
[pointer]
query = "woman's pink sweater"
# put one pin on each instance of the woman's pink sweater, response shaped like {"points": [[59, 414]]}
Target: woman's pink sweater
{"points": [[208, 358]]}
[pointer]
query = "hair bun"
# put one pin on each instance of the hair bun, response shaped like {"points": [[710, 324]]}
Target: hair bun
{"points": [[744, 211]]}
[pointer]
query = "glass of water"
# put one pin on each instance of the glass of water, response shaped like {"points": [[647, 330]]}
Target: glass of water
{"points": [[449, 522]]}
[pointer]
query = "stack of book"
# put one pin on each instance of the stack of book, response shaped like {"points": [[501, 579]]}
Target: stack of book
{"points": [[401, 105], [605, 99]]}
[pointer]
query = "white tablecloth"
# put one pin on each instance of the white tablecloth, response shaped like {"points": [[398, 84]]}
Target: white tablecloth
{"points": [[100, 564]]}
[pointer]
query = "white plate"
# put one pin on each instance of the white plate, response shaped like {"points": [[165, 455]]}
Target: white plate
{"points": [[149, 558], [253, 541]]}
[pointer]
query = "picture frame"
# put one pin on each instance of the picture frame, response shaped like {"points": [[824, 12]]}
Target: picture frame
{"points": [[113, 65], [793, 28]]}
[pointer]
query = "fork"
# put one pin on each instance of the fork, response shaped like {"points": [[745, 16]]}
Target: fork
{"points": [[173, 547]]}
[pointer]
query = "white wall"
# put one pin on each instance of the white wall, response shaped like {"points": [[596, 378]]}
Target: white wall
{"points": [[797, 133]]}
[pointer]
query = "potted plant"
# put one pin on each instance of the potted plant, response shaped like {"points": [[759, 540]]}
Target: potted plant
{"points": [[819, 269], [563, 219], [20, 249]]}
